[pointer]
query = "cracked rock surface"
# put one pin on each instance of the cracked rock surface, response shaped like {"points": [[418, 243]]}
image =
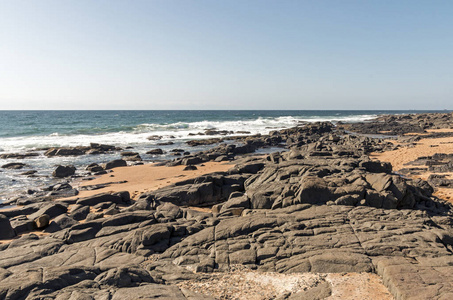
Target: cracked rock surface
{"points": [[322, 207]]}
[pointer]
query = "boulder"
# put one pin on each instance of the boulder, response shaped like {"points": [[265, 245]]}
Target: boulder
{"points": [[64, 171], [41, 221], [52, 210], [80, 213], [66, 151], [190, 168], [157, 151], [133, 158], [129, 153], [94, 167], [60, 222], [236, 200], [191, 161], [6, 231], [115, 164]]}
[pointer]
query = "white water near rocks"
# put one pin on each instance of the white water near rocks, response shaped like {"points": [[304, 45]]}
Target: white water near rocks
{"points": [[25, 131]]}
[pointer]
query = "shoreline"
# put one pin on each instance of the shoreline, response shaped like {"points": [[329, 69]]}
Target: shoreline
{"points": [[324, 210]]}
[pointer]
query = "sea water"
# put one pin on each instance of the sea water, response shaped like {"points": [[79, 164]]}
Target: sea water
{"points": [[22, 131]]}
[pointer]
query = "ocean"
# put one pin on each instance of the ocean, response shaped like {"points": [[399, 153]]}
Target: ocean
{"points": [[22, 131]]}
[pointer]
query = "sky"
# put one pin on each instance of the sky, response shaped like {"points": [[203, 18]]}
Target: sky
{"points": [[235, 54]]}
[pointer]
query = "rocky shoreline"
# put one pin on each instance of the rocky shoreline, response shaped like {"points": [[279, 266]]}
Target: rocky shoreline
{"points": [[321, 205]]}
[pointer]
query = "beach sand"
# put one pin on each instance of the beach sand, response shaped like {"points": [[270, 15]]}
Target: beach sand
{"points": [[148, 177], [402, 157]]}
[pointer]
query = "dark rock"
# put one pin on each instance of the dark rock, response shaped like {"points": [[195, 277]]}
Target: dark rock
{"points": [[165, 143], [117, 198], [59, 223], [133, 158], [52, 210], [115, 164], [204, 142], [129, 153], [190, 168], [64, 171], [22, 225], [6, 231], [103, 147], [66, 151], [221, 158], [14, 166], [31, 172], [94, 167], [80, 213], [157, 151], [191, 161], [18, 155]]}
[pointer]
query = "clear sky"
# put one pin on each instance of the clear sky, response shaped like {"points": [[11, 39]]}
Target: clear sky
{"points": [[216, 54]]}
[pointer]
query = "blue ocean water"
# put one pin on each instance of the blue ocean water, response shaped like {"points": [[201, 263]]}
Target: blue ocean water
{"points": [[22, 131]]}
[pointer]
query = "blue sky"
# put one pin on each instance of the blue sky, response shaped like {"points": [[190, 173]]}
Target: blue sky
{"points": [[226, 54]]}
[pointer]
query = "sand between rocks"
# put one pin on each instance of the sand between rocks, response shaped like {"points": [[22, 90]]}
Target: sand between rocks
{"points": [[148, 177], [401, 158]]}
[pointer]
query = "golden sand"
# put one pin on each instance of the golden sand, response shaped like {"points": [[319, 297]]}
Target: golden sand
{"points": [[401, 157], [148, 177]]}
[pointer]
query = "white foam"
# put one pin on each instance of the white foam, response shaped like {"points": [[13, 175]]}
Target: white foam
{"points": [[180, 130]]}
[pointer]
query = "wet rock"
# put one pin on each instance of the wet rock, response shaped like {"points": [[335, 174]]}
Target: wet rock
{"points": [[76, 151], [157, 151], [103, 147], [18, 155], [13, 166], [129, 153], [94, 167], [136, 158], [31, 172], [165, 143], [154, 137], [204, 142]]}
